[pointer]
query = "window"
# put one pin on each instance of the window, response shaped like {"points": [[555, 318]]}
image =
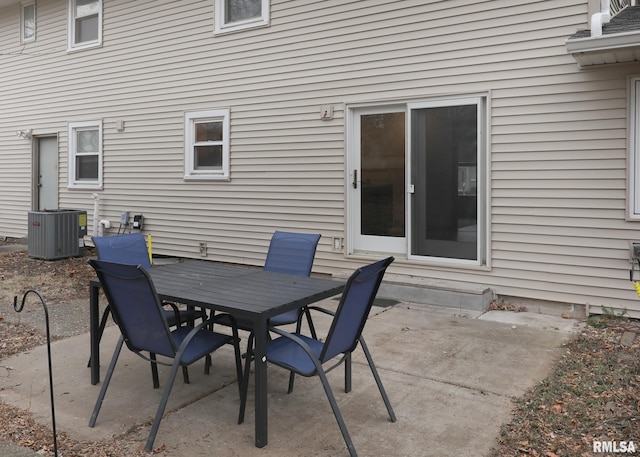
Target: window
{"points": [[634, 150], [85, 154], [28, 22], [233, 15], [207, 145], [85, 23]]}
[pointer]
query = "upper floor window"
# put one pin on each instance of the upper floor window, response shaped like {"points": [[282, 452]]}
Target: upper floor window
{"points": [[207, 145], [28, 22], [85, 154], [85, 23], [232, 15]]}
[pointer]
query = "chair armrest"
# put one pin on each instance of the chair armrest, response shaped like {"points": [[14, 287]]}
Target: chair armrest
{"points": [[280, 332], [189, 337], [232, 322], [176, 311], [204, 324], [300, 342], [222, 317], [293, 337], [322, 310]]}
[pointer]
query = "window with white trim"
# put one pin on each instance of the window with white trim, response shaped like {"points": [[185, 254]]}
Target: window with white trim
{"points": [[85, 23], [85, 154], [28, 22], [634, 150], [633, 202], [206, 152], [233, 15]]}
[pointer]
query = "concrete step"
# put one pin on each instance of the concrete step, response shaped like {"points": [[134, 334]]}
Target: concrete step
{"points": [[454, 295], [449, 297]]}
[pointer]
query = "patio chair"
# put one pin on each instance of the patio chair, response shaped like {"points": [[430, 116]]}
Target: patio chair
{"points": [[290, 253], [144, 328], [131, 249], [306, 356]]}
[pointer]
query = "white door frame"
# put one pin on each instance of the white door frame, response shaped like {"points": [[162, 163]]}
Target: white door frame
{"points": [[356, 243]]}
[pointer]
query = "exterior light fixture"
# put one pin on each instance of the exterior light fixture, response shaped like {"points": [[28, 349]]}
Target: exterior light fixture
{"points": [[25, 134]]}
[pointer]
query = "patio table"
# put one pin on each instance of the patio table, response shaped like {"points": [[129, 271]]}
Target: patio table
{"points": [[249, 294]]}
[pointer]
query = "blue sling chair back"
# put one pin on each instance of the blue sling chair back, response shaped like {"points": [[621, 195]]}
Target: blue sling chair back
{"points": [[293, 254], [290, 253], [144, 328], [131, 249], [307, 356]]}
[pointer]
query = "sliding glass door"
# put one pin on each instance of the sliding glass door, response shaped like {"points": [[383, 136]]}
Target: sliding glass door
{"points": [[416, 180], [446, 145]]}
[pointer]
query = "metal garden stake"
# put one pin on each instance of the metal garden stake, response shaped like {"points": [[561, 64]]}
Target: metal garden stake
{"points": [[46, 318]]}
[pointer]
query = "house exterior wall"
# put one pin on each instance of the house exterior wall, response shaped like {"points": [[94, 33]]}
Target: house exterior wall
{"points": [[557, 134]]}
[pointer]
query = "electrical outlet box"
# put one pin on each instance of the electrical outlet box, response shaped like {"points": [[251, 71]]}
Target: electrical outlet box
{"points": [[326, 112], [124, 217], [203, 249], [138, 221], [634, 250]]}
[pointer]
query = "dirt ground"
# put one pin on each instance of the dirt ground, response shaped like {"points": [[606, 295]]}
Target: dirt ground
{"points": [[59, 282]]}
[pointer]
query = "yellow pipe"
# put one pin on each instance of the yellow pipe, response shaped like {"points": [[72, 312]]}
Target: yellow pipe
{"points": [[150, 249]]}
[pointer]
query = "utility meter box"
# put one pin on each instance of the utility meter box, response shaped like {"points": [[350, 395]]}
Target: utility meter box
{"points": [[56, 234]]}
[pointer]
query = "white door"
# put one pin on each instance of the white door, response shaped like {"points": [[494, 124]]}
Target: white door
{"points": [[46, 176], [377, 180]]}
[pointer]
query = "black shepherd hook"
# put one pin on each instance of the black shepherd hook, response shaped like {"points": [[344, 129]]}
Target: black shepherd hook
{"points": [[46, 318]]}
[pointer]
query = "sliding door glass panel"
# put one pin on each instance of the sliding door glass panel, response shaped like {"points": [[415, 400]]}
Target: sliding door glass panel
{"points": [[382, 148], [444, 149]]}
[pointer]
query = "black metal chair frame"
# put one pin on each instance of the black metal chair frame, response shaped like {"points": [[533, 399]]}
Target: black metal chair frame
{"points": [[175, 316], [279, 262], [178, 350], [319, 358]]}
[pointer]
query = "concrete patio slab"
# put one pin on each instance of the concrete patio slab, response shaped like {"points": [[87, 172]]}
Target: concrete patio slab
{"points": [[450, 379]]}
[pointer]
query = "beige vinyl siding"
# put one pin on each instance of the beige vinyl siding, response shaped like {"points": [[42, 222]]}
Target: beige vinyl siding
{"points": [[559, 189], [13, 200], [557, 135]]}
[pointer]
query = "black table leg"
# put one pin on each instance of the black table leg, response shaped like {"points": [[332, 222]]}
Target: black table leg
{"points": [[94, 332], [260, 367]]}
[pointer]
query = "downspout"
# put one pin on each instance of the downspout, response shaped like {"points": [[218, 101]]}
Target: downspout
{"points": [[96, 203], [98, 225]]}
